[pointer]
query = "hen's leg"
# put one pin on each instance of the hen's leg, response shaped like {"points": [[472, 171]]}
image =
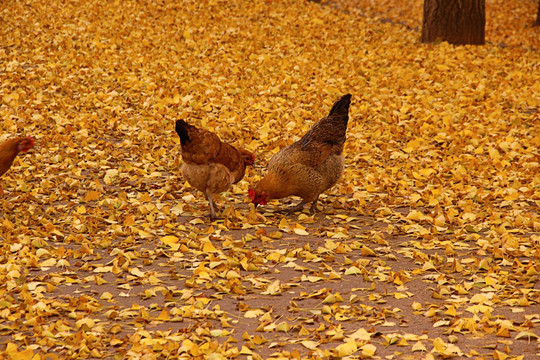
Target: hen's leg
{"points": [[313, 207], [212, 212]]}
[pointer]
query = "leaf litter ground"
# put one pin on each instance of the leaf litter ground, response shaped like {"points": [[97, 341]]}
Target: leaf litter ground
{"points": [[427, 248]]}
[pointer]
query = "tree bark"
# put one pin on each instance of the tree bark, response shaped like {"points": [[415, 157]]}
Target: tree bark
{"points": [[459, 22]]}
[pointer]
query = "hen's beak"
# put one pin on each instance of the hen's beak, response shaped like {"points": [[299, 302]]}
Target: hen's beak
{"points": [[256, 204]]}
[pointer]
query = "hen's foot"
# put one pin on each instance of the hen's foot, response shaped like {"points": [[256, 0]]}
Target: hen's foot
{"points": [[292, 209], [215, 218]]}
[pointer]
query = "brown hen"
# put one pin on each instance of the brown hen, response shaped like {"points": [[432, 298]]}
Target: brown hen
{"points": [[210, 165], [9, 150], [311, 165]]}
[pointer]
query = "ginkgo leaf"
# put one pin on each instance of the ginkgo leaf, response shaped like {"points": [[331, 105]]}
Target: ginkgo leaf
{"points": [[526, 335], [253, 313], [273, 289], [419, 346], [368, 350], [108, 249], [92, 195], [311, 345], [300, 231], [360, 334], [346, 349]]}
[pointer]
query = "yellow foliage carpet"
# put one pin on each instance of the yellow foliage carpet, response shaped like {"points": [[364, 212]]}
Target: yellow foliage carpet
{"points": [[428, 248]]}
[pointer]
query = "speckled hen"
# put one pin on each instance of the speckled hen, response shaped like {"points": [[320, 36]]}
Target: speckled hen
{"points": [[311, 165]]}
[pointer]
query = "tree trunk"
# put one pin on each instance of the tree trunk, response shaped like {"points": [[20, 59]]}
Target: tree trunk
{"points": [[537, 22], [459, 22]]}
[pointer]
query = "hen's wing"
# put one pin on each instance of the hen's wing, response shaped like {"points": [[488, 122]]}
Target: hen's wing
{"points": [[330, 130], [325, 137], [199, 146], [204, 147], [233, 160]]}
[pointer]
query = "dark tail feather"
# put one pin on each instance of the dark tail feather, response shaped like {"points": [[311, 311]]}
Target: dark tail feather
{"points": [[341, 107], [182, 131]]}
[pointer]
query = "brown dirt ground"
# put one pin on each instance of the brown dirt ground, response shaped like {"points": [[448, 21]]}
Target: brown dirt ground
{"points": [[383, 315]]}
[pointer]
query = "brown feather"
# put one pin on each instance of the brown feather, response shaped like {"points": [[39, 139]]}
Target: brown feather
{"points": [[9, 150], [210, 165]]}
